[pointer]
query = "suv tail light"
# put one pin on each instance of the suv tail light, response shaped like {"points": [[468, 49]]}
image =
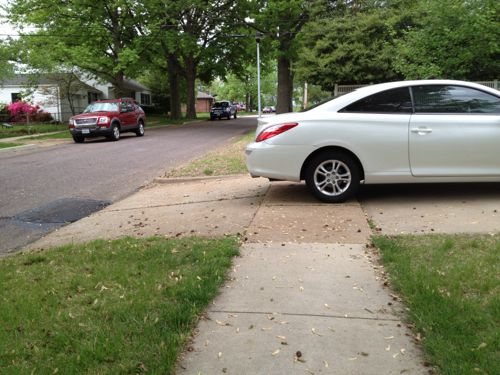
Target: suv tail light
{"points": [[274, 131]]}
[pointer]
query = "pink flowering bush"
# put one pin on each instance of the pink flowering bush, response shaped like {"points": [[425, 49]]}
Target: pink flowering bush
{"points": [[20, 110]]}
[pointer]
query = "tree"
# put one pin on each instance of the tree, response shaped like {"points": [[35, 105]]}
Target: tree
{"points": [[353, 43], [281, 20], [243, 87], [455, 39], [6, 68], [195, 41], [97, 36]]}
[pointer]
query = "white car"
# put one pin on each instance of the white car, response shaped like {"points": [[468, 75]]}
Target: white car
{"points": [[398, 132]]}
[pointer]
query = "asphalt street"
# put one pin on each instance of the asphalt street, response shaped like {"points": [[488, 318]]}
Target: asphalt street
{"points": [[43, 188]]}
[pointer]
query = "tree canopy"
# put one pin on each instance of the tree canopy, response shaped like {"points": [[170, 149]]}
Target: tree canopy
{"points": [[321, 42], [454, 39]]}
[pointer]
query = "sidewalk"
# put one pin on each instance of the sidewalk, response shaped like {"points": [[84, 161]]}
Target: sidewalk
{"points": [[305, 296]]}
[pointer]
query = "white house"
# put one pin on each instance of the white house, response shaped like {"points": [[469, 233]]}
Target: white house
{"points": [[135, 90], [64, 94]]}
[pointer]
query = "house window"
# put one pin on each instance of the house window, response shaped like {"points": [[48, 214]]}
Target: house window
{"points": [[15, 97], [145, 99]]}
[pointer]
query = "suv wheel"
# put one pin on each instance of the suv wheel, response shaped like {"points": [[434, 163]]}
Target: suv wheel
{"points": [[78, 139], [235, 112], [140, 129], [115, 133]]}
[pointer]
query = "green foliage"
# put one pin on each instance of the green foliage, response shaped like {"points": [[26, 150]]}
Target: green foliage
{"points": [[238, 87], [98, 36], [352, 44], [455, 39]]}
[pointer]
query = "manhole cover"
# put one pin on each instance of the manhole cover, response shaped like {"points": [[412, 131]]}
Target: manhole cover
{"points": [[65, 210]]}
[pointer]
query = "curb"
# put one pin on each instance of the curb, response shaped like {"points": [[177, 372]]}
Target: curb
{"points": [[178, 180]]}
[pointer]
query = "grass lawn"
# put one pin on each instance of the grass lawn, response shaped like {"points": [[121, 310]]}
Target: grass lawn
{"points": [[451, 284], [20, 130], [229, 159], [107, 307], [9, 144]]}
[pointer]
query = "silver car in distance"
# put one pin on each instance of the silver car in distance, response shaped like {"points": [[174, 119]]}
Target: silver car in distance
{"points": [[398, 132]]}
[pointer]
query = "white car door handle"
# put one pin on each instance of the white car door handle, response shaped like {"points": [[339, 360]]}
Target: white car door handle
{"points": [[421, 131]]}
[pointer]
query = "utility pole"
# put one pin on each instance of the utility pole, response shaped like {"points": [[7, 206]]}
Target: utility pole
{"points": [[258, 37]]}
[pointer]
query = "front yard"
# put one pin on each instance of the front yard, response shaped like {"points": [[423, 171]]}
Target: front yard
{"points": [[107, 307], [451, 286]]}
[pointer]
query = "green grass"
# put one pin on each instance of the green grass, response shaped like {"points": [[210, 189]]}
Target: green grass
{"points": [[451, 285], [20, 130], [229, 159], [107, 307], [9, 144]]}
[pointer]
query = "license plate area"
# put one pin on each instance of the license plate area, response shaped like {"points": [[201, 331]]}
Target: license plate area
{"points": [[85, 131]]}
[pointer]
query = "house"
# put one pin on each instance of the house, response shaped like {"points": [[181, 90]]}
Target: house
{"points": [[140, 93], [64, 94], [204, 102]]}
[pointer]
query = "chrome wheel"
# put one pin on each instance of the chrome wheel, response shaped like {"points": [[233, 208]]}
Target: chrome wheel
{"points": [[332, 177]]}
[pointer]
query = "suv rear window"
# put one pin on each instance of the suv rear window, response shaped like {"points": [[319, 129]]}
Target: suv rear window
{"points": [[221, 104]]}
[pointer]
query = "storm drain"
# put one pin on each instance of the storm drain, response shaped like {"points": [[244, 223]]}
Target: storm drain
{"points": [[65, 210]]}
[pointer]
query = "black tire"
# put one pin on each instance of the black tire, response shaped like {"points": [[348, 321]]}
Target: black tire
{"points": [[235, 112], [140, 129], [332, 176], [229, 116], [78, 138], [115, 133]]}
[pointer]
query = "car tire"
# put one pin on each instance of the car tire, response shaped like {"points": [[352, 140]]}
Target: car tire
{"points": [[140, 129], [332, 176], [235, 114], [115, 133], [78, 139]]}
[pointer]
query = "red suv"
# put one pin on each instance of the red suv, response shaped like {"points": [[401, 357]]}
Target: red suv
{"points": [[108, 118]]}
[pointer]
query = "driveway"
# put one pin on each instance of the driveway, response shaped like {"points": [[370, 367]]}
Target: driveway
{"points": [[433, 208]]}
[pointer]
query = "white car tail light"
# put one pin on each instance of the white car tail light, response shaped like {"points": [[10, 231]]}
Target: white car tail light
{"points": [[275, 130]]}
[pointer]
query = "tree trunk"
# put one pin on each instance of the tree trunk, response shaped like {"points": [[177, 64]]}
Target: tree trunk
{"points": [[118, 86], [173, 79], [285, 85], [247, 101], [190, 82]]}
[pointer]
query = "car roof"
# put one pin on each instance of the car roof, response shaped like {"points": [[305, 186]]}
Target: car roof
{"points": [[342, 101]]}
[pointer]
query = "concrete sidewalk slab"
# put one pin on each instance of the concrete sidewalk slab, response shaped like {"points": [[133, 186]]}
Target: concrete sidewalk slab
{"points": [[213, 208], [317, 279], [290, 214], [450, 208], [261, 320]]}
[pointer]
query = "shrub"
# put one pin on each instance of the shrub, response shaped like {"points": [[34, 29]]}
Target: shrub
{"points": [[21, 110]]}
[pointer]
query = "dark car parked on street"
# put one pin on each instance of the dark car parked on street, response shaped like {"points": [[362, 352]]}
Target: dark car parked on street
{"points": [[108, 118], [222, 109]]}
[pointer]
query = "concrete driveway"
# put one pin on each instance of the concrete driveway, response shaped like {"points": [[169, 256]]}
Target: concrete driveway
{"points": [[433, 208]]}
